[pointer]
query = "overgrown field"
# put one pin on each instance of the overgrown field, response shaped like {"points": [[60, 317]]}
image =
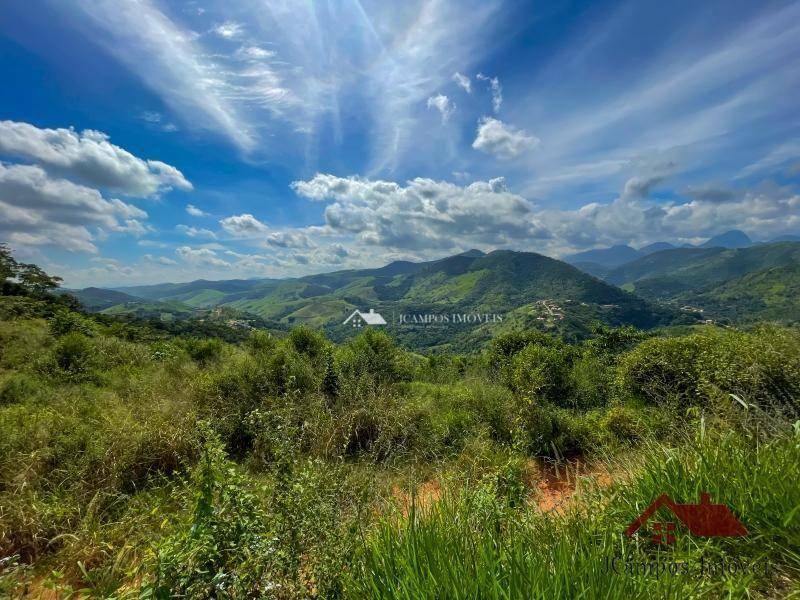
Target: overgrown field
{"points": [[139, 464]]}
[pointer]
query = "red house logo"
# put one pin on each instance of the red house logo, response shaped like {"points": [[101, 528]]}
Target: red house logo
{"points": [[704, 519]]}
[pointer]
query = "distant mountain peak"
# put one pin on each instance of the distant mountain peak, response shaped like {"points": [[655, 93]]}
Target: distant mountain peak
{"points": [[734, 238], [473, 253], [656, 247], [606, 257]]}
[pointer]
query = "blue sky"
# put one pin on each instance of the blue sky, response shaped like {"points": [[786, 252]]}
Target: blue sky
{"points": [[158, 140]]}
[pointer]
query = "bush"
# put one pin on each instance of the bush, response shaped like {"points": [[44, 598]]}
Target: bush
{"points": [[761, 367], [503, 348], [308, 342], [18, 388], [74, 355], [372, 355], [65, 321], [543, 372], [228, 396], [592, 377], [260, 341], [204, 351], [225, 549]]}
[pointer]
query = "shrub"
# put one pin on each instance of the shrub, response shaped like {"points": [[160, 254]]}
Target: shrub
{"points": [[543, 372], [503, 347], [227, 396], [308, 342], [75, 355], [374, 356], [260, 341], [18, 388], [204, 350], [65, 321], [761, 367], [592, 378], [225, 549]]}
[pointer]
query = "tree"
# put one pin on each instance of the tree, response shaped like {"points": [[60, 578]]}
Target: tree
{"points": [[8, 266], [34, 279]]}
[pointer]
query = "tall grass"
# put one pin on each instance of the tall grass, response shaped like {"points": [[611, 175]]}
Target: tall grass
{"points": [[469, 545]]}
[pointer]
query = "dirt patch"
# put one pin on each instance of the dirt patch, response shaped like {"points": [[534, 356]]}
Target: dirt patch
{"points": [[555, 484], [425, 495]]}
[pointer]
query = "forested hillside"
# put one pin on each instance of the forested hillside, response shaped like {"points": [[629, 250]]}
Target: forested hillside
{"points": [[511, 284]]}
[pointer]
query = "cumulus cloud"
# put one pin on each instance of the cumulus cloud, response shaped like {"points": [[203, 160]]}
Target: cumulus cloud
{"points": [[640, 186], [90, 157], [424, 213], [763, 213], [245, 225], [38, 209], [443, 104], [712, 192], [496, 89], [195, 212], [463, 82], [501, 140], [290, 238], [201, 256], [161, 260], [196, 232]]}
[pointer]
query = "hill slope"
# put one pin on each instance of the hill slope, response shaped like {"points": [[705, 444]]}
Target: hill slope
{"points": [[742, 284], [523, 288]]}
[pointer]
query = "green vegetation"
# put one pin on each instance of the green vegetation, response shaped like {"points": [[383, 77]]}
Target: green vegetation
{"points": [[741, 285], [501, 282], [138, 461]]}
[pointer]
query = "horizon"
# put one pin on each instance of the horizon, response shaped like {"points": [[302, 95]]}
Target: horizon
{"points": [[170, 141], [428, 260]]}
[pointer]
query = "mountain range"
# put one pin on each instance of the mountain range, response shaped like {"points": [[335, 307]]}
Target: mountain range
{"points": [[756, 283], [599, 261], [525, 289], [660, 285]]}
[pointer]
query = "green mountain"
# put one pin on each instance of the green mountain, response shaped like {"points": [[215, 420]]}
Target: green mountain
{"points": [[740, 284], [771, 294], [522, 289], [114, 302]]}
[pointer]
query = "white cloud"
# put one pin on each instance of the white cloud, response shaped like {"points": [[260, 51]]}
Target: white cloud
{"points": [[463, 82], [195, 232], [496, 89], [91, 158], [195, 212], [423, 214], [39, 210], [417, 64], [200, 256], [170, 61], [443, 104], [163, 260], [290, 238], [501, 140], [255, 53], [156, 120], [244, 226], [228, 30]]}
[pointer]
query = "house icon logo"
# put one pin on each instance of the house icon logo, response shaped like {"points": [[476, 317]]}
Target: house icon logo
{"points": [[703, 520], [359, 319]]}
